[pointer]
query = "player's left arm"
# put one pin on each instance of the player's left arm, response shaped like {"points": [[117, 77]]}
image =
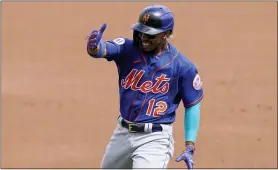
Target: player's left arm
{"points": [[190, 88], [191, 124]]}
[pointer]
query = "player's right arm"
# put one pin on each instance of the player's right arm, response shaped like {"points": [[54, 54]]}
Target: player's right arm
{"points": [[98, 48], [94, 51]]}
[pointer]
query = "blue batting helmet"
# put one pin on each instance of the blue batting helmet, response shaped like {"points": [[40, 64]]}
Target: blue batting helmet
{"points": [[155, 19]]}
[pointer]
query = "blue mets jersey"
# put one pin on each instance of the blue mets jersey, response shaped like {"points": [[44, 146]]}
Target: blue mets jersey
{"points": [[151, 87]]}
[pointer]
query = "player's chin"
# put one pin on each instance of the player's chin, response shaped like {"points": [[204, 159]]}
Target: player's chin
{"points": [[147, 48]]}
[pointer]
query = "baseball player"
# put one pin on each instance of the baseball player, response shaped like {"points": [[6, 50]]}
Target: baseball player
{"points": [[154, 77]]}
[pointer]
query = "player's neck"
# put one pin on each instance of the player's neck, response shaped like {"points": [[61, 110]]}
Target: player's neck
{"points": [[161, 49]]}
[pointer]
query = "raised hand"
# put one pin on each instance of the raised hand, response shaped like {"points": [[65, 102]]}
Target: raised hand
{"points": [[95, 37]]}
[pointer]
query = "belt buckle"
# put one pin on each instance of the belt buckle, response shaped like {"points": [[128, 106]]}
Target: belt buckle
{"points": [[130, 125]]}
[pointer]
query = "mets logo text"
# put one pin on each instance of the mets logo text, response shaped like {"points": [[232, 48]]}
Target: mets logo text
{"points": [[131, 81]]}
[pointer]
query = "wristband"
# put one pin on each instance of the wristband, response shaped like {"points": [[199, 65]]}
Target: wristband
{"points": [[102, 47]]}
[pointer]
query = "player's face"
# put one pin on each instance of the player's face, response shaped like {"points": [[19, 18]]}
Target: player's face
{"points": [[151, 43]]}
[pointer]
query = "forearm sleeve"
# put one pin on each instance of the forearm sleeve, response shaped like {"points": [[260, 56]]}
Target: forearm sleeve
{"points": [[191, 122], [114, 50]]}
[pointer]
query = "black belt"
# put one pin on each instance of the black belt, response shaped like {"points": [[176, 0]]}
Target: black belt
{"points": [[140, 127]]}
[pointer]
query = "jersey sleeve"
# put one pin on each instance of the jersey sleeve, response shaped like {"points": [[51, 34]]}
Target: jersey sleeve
{"points": [[190, 87], [116, 49]]}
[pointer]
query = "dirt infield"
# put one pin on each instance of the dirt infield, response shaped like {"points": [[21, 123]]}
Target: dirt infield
{"points": [[60, 106]]}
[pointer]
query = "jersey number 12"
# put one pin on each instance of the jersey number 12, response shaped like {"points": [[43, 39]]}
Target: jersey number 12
{"points": [[159, 110]]}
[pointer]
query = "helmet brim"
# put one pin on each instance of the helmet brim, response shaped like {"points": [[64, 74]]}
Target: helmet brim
{"points": [[146, 29]]}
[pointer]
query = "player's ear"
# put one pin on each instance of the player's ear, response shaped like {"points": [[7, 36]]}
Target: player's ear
{"points": [[168, 34], [165, 36]]}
